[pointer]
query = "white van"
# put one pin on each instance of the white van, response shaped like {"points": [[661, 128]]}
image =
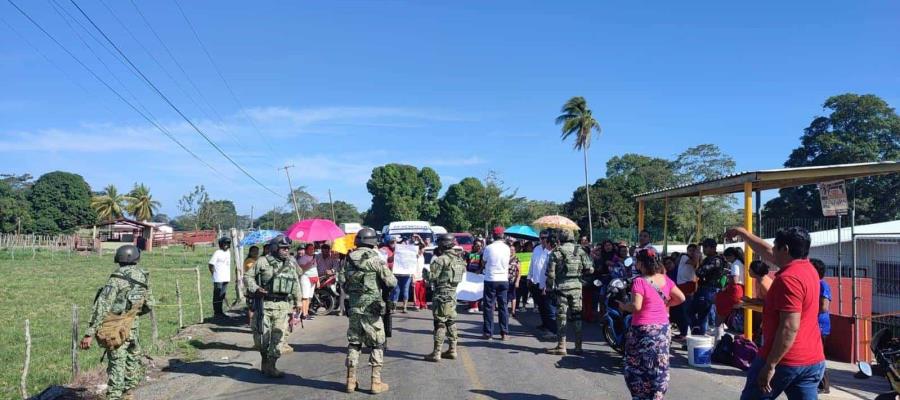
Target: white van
{"points": [[405, 229], [351, 227]]}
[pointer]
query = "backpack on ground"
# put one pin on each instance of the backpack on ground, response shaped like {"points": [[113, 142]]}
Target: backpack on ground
{"points": [[723, 353], [744, 351]]}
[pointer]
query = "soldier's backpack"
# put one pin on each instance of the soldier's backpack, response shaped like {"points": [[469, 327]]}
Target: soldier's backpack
{"points": [[115, 329]]}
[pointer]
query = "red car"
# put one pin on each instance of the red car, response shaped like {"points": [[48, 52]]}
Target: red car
{"points": [[464, 240]]}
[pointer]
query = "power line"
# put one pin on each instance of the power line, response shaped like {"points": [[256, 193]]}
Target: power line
{"points": [[165, 70], [169, 102], [184, 72], [222, 77], [119, 95]]}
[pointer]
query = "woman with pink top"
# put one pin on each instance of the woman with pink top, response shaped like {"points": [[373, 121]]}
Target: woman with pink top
{"points": [[647, 343]]}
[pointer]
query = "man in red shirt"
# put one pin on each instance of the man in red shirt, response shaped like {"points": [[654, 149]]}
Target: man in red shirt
{"points": [[792, 359]]}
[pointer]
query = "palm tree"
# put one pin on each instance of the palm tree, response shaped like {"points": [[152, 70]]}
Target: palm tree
{"points": [[109, 206], [141, 204], [576, 119]]}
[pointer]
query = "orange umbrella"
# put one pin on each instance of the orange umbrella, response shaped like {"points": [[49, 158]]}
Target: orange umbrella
{"points": [[555, 222], [344, 243]]}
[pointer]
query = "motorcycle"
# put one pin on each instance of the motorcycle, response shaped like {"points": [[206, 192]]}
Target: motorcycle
{"points": [[616, 321], [325, 298], [886, 348]]}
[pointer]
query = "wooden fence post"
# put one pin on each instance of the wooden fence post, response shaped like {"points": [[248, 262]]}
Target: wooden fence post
{"points": [[180, 309], [154, 329], [75, 339], [199, 293], [23, 383]]}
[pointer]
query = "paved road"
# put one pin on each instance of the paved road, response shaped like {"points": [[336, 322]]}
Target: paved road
{"points": [[515, 369]]}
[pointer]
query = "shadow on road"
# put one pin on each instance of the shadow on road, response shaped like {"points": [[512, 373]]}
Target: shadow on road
{"points": [[219, 329], [318, 348], [514, 396], [218, 346], [245, 372]]}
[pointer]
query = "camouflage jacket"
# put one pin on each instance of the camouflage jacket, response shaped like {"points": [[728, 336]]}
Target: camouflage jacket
{"points": [[364, 275], [263, 274], [568, 264], [447, 271], [126, 286]]}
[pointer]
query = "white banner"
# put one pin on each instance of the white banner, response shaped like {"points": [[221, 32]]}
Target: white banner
{"points": [[406, 257], [471, 288]]}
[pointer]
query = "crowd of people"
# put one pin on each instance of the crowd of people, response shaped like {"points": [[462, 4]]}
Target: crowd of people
{"points": [[673, 296]]}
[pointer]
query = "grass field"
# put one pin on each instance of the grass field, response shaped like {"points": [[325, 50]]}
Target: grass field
{"points": [[43, 289]]}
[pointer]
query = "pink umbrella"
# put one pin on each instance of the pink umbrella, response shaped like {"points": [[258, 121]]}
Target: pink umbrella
{"points": [[314, 230]]}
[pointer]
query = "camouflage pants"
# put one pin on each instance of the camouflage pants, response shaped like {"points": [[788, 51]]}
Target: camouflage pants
{"points": [[275, 328], [569, 305], [366, 329], [124, 368], [444, 307]]}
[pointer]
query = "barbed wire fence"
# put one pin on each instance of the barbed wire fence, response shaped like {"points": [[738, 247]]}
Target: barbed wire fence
{"points": [[46, 348]]}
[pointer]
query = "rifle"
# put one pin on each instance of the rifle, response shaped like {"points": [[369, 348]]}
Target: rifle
{"points": [[259, 311], [388, 309]]}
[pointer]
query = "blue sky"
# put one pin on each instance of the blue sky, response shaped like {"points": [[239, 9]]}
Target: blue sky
{"points": [[463, 87]]}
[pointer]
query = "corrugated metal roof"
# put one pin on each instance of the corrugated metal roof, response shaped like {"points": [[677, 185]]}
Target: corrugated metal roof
{"points": [[773, 179]]}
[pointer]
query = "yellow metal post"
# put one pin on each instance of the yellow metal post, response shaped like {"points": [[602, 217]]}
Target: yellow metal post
{"points": [[748, 258], [640, 216]]}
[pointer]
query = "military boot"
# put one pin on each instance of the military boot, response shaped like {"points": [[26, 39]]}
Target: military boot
{"points": [[450, 354], [377, 385], [351, 379], [435, 355], [269, 368], [560, 349]]}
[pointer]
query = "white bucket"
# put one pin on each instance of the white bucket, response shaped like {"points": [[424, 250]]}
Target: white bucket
{"points": [[700, 350]]}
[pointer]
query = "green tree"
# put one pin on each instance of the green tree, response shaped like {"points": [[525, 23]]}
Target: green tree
{"points": [[459, 207], [190, 206], [278, 219], [702, 163], [578, 121], [858, 128], [496, 203], [110, 205], [306, 202], [343, 212], [626, 176], [525, 211], [402, 192], [15, 210], [217, 214], [61, 202], [141, 204]]}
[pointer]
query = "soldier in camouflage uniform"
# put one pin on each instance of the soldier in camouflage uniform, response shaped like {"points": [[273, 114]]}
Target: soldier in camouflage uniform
{"points": [[127, 287], [446, 272], [365, 276], [273, 280], [568, 264]]}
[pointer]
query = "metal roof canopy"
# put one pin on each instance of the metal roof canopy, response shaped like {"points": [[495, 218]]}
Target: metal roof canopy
{"points": [[774, 179]]}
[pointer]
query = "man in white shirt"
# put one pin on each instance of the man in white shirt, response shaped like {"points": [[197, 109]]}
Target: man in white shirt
{"points": [[496, 285], [220, 268], [538, 281], [644, 242]]}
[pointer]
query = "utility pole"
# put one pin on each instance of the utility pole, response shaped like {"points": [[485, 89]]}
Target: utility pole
{"points": [[251, 217], [274, 216], [293, 197], [333, 219]]}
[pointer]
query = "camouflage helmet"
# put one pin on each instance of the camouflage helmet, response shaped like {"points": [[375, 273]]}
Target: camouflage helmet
{"points": [[553, 235], [128, 254], [280, 242], [446, 241], [566, 236], [366, 237]]}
